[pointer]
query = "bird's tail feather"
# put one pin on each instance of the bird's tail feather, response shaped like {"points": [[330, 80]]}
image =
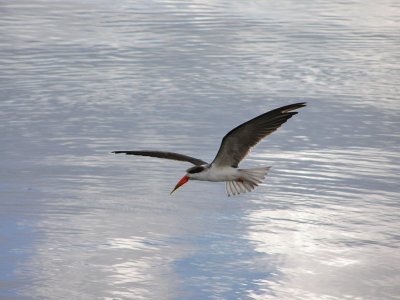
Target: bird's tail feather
{"points": [[247, 182]]}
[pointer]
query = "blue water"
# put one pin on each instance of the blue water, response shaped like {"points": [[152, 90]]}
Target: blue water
{"points": [[79, 79]]}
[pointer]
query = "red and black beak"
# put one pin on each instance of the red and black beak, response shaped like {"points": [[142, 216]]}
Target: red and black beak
{"points": [[181, 182]]}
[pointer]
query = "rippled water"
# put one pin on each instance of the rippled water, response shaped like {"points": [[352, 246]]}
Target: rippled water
{"points": [[79, 79]]}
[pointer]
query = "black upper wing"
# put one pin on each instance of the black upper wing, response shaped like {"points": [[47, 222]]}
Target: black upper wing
{"points": [[166, 155], [237, 143]]}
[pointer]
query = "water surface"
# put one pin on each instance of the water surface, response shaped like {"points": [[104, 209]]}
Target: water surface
{"points": [[79, 79]]}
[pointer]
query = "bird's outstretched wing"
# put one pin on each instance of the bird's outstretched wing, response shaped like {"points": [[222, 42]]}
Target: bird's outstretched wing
{"points": [[166, 155], [237, 143]]}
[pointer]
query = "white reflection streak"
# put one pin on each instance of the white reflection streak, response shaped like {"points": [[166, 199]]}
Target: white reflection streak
{"points": [[326, 234], [134, 243], [136, 273]]}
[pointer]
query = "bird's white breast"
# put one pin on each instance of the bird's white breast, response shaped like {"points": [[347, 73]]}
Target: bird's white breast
{"points": [[217, 174]]}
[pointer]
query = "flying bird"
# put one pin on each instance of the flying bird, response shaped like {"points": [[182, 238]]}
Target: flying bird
{"points": [[234, 147]]}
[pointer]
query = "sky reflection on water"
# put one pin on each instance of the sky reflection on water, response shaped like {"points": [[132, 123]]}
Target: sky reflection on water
{"points": [[79, 80]]}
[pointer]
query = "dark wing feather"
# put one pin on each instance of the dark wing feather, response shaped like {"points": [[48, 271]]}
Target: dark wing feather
{"points": [[166, 155], [237, 143]]}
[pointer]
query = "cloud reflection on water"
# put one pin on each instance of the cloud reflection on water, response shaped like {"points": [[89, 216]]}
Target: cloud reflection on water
{"points": [[330, 233], [79, 80]]}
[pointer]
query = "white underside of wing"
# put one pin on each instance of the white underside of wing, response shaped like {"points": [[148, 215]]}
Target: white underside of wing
{"points": [[249, 179], [236, 187]]}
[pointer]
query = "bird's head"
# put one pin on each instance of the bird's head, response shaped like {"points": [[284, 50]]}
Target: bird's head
{"points": [[190, 173]]}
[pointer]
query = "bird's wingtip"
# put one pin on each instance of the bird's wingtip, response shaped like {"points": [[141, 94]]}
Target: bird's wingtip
{"points": [[291, 107], [300, 104]]}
